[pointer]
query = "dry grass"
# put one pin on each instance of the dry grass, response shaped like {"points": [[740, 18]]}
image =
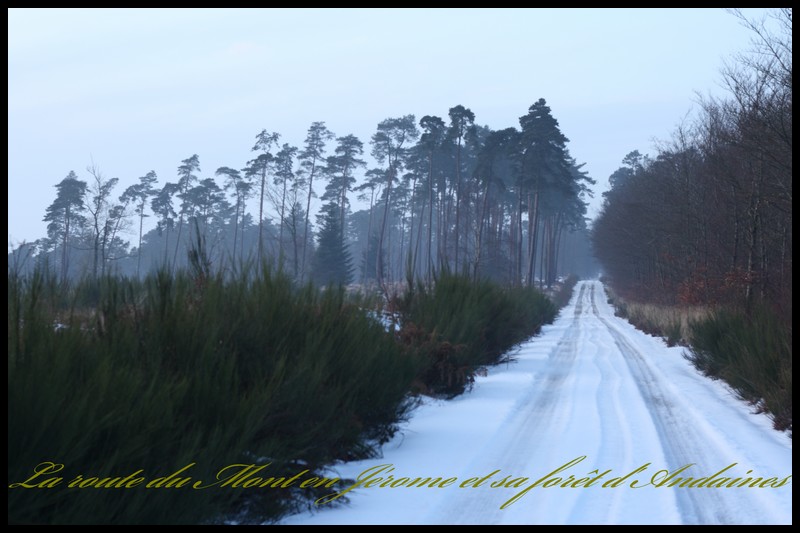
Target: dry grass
{"points": [[671, 322]]}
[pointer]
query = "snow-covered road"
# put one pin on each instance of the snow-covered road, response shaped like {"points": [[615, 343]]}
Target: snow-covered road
{"points": [[590, 387]]}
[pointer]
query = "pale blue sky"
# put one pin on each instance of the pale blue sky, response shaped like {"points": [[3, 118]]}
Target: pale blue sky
{"points": [[139, 90]]}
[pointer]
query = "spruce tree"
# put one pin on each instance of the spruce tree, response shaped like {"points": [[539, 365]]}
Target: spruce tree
{"points": [[332, 262]]}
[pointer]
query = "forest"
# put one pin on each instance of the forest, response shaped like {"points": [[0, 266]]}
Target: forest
{"points": [[444, 194], [707, 222]]}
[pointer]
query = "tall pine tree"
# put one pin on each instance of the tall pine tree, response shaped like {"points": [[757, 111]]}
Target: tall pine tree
{"points": [[139, 193], [64, 215], [311, 159]]}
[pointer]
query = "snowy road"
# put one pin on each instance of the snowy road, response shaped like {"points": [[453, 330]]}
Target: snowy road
{"points": [[591, 387]]}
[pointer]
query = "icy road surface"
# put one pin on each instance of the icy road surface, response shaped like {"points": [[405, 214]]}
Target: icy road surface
{"points": [[590, 386]]}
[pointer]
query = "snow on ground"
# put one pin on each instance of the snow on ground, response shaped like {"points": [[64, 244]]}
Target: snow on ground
{"points": [[591, 385]]}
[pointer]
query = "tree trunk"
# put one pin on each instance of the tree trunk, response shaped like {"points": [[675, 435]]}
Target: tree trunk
{"points": [[458, 202], [236, 226], [294, 238], [482, 218], [369, 237], [283, 218], [411, 248], [308, 209], [64, 244], [139, 249], [518, 236], [533, 230], [178, 240], [343, 199], [379, 261], [419, 234], [441, 215], [430, 219], [261, 214]]}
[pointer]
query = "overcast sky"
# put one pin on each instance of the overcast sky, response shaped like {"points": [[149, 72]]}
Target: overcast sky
{"points": [[140, 90]]}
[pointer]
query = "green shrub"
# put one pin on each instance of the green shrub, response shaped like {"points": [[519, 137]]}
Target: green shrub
{"points": [[111, 376], [458, 325], [752, 354], [177, 369]]}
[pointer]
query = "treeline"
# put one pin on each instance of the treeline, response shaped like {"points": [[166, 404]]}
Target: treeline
{"points": [[446, 194], [708, 220]]}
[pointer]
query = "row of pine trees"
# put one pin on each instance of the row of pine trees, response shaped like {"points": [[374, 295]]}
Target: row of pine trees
{"points": [[443, 194]]}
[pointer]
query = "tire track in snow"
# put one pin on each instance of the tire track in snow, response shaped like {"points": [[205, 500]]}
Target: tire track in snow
{"points": [[543, 407], [681, 440], [615, 441]]}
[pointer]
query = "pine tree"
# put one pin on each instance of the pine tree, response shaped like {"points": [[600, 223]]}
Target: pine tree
{"points": [[429, 146], [390, 147], [284, 178], [241, 187], [544, 167], [205, 197], [493, 168], [332, 262], [139, 193], [265, 142], [461, 125], [340, 169], [186, 178], [162, 205], [311, 159], [64, 215]]}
